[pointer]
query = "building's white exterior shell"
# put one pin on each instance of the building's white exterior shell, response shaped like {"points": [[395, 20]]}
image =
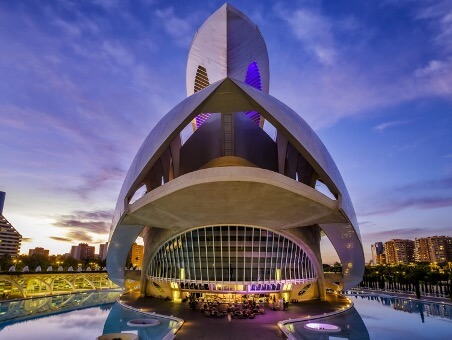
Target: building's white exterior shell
{"points": [[214, 48], [221, 46]]}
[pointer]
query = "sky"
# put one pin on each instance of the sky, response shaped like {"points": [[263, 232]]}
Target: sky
{"points": [[83, 83]]}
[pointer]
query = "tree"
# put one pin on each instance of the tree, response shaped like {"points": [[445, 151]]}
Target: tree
{"points": [[414, 276], [5, 262]]}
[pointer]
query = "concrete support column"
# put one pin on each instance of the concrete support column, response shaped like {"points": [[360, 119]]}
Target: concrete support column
{"points": [[281, 142], [310, 236], [153, 238]]}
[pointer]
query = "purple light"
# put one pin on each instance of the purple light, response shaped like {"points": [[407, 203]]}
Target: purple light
{"points": [[201, 81], [201, 118], [253, 78]]}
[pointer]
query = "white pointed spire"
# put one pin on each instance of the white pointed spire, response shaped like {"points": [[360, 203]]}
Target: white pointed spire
{"points": [[227, 43]]}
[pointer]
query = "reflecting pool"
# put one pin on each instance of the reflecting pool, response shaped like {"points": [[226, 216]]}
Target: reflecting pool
{"points": [[119, 316], [79, 324], [384, 317], [18, 310], [75, 316]]}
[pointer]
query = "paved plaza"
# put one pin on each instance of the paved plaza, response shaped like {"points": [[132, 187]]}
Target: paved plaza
{"points": [[198, 326]]}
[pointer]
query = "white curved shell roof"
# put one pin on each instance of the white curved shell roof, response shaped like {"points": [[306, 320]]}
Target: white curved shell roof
{"points": [[214, 48]]}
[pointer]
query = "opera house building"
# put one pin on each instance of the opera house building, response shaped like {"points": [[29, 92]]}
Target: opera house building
{"points": [[227, 208]]}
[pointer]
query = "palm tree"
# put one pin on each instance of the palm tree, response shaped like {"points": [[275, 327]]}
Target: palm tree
{"points": [[414, 276]]}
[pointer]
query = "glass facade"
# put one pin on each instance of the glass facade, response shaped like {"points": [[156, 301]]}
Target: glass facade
{"points": [[231, 254]]}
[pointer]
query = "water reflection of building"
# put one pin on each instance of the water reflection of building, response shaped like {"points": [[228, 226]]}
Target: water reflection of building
{"points": [[21, 310], [413, 306]]}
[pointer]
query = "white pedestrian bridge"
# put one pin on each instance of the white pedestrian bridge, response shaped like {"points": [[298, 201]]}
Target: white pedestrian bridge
{"points": [[29, 284]]}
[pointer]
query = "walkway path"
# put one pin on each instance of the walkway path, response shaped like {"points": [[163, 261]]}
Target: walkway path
{"points": [[197, 326]]}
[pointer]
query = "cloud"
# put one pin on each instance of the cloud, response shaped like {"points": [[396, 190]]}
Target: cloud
{"points": [[69, 28], [71, 130], [91, 226], [181, 30], [61, 239], [439, 14], [432, 67], [404, 233], [96, 180], [95, 215], [383, 126], [441, 184], [97, 221], [430, 194], [313, 30], [351, 74], [435, 78], [366, 223], [108, 5], [84, 226], [79, 236], [27, 239], [394, 205], [120, 54]]}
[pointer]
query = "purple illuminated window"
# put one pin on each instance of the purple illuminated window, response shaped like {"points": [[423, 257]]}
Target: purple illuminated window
{"points": [[253, 78], [201, 119], [201, 81]]}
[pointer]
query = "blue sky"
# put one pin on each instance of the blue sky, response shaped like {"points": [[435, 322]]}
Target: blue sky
{"points": [[83, 83]]}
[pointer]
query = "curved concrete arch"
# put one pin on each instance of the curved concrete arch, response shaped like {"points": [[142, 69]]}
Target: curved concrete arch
{"points": [[38, 279], [245, 97], [118, 247], [84, 279], [107, 281], [345, 237], [100, 279], [47, 279], [17, 285], [304, 139], [163, 133], [297, 129], [63, 279]]}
